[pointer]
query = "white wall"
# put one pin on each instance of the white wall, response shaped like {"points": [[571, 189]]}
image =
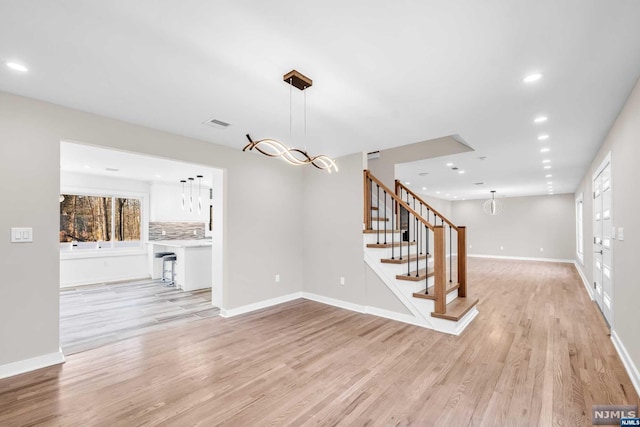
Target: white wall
{"points": [[624, 145], [332, 234], [525, 225], [256, 247]]}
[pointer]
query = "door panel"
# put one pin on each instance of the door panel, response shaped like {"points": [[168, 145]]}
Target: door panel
{"points": [[603, 242]]}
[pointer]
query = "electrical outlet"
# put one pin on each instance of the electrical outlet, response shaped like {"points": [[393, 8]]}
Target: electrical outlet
{"points": [[342, 280], [277, 278]]}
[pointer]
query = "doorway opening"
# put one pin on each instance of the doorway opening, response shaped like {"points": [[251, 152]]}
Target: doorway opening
{"points": [[118, 210]]}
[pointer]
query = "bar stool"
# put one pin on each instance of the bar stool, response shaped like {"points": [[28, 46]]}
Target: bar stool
{"points": [[171, 259], [162, 255]]}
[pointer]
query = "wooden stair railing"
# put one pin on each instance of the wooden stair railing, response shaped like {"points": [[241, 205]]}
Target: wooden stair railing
{"points": [[461, 234], [417, 226]]}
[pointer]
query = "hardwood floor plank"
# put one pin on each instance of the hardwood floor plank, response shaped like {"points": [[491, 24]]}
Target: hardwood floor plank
{"points": [[537, 354]]}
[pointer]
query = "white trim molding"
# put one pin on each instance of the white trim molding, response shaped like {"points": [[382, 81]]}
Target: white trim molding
{"points": [[334, 302], [631, 368], [259, 305], [521, 258], [586, 283], [28, 365]]}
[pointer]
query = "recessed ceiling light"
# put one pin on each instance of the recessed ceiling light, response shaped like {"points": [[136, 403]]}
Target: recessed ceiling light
{"points": [[158, 175], [540, 119], [549, 182], [460, 171], [548, 176], [547, 167], [455, 197], [16, 67], [437, 192], [532, 78], [546, 161], [407, 183], [543, 137], [447, 195], [87, 167], [545, 150], [424, 188], [449, 164]]}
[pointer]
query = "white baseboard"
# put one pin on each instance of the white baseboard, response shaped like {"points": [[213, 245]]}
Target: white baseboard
{"points": [[28, 365], [259, 305], [586, 283], [520, 258], [393, 315], [631, 368], [109, 281], [334, 302]]}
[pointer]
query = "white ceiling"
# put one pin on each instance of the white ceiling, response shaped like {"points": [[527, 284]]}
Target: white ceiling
{"points": [[385, 73], [79, 158]]}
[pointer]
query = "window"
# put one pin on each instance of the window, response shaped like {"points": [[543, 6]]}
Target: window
{"points": [[94, 222], [579, 228]]}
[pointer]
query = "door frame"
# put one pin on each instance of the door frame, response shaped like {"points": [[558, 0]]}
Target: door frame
{"points": [[606, 161]]}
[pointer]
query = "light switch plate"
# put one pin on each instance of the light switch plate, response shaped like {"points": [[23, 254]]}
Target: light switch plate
{"points": [[21, 234], [620, 233]]}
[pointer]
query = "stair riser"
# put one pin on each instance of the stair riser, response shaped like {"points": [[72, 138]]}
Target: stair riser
{"points": [[373, 237], [388, 252]]}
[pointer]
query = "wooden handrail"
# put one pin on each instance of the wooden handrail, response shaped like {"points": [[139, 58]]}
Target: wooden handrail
{"points": [[368, 175], [401, 185]]}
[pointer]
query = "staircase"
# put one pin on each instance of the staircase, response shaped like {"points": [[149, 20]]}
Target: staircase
{"points": [[409, 245]]}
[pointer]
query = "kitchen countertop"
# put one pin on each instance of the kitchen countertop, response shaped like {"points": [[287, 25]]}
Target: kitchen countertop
{"points": [[182, 243]]}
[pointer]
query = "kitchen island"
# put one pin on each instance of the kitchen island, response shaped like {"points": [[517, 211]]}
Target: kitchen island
{"points": [[194, 263]]}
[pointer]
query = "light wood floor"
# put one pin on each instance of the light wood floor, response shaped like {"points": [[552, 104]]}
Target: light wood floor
{"points": [[537, 354], [92, 316]]}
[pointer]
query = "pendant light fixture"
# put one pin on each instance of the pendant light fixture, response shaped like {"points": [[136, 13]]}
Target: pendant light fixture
{"points": [[294, 156], [190, 194], [183, 182], [493, 206], [199, 193]]}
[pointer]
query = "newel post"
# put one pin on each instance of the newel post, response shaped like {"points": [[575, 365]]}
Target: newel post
{"points": [[440, 269], [462, 261]]}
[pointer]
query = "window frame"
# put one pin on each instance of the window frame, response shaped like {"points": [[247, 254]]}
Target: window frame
{"points": [[96, 249]]}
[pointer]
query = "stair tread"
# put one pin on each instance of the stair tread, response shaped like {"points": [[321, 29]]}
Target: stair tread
{"points": [[457, 308], [404, 260], [377, 218], [381, 231], [374, 208], [422, 275], [389, 244], [432, 292]]}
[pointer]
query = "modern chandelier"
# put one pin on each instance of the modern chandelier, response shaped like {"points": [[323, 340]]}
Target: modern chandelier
{"points": [[294, 156], [493, 206]]}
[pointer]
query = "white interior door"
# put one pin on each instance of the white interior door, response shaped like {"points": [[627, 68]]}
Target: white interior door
{"points": [[602, 240]]}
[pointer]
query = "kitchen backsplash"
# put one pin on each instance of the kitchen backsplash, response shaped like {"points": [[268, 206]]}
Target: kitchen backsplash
{"points": [[177, 231]]}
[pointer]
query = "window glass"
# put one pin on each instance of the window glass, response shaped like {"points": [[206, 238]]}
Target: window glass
{"points": [[85, 218], [127, 219]]}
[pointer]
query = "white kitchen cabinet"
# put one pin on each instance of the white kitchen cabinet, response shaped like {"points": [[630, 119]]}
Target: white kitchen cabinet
{"points": [[166, 203]]}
